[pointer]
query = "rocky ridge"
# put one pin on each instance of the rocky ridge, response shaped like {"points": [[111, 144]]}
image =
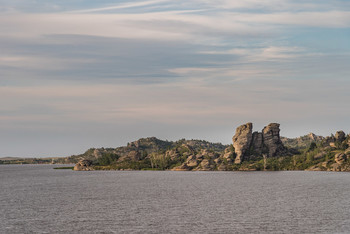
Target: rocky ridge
{"points": [[249, 150]]}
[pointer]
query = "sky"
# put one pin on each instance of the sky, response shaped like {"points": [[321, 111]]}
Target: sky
{"points": [[76, 74]]}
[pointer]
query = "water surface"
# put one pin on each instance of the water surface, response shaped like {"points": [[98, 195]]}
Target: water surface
{"points": [[38, 199]]}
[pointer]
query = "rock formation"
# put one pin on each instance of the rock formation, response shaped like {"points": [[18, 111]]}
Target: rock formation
{"points": [[340, 136], [331, 153], [249, 145], [242, 140], [340, 158], [272, 140], [83, 165]]}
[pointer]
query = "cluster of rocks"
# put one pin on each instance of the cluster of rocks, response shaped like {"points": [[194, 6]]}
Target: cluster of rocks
{"points": [[338, 142], [83, 165], [195, 151], [249, 144], [340, 163], [206, 160]]}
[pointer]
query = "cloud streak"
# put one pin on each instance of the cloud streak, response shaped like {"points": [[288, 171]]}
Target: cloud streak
{"points": [[120, 6]]}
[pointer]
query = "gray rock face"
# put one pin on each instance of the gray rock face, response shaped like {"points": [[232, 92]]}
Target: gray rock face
{"points": [[242, 140], [257, 143], [249, 145], [340, 136], [272, 140], [83, 165]]}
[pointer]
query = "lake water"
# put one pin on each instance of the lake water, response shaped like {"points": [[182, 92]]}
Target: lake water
{"points": [[38, 199]]}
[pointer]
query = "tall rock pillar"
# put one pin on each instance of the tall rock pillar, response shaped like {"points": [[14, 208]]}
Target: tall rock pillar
{"points": [[242, 141], [272, 140]]}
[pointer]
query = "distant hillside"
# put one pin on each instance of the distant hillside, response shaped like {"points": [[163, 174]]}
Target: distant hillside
{"points": [[10, 158], [301, 142], [18, 160], [145, 146]]}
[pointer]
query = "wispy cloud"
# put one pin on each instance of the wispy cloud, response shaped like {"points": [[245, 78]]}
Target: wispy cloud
{"points": [[120, 6]]}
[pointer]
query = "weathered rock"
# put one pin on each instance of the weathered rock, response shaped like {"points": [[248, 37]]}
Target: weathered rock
{"points": [[249, 145], [257, 143], [205, 165], [217, 160], [172, 154], [272, 140], [192, 161], [188, 147], [347, 151], [83, 165], [334, 167], [206, 152], [340, 158], [324, 164], [340, 136], [242, 140], [229, 156], [327, 141], [314, 168], [314, 137]]}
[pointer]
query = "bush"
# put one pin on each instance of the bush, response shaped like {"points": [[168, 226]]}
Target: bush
{"points": [[107, 159]]}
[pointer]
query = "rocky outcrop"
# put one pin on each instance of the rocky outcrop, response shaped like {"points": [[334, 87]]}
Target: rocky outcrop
{"points": [[340, 158], [228, 155], [272, 140], [205, 165], [242, 141], [249, 145], [340, 136], [257, 143], [83, 165], [347, 151], [314, 137], [192, 161]]}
